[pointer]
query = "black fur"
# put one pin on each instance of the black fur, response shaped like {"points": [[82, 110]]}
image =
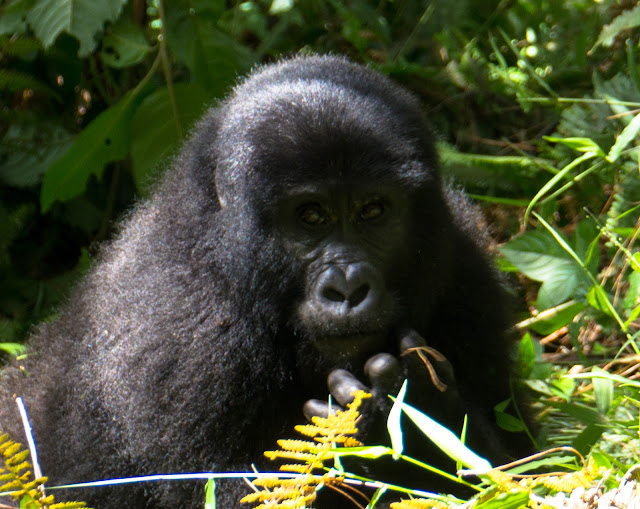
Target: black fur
{"points": [[185, 350]]}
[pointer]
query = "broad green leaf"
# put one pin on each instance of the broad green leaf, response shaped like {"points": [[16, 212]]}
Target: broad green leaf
{"points": [[446, 440], [106, 139], [626, 21], [124, 45], [603, 390], [598, 299], [12, 20], [30, 150], [214, 58], [506, 421], [539, 257], [156, 132], [526, 356], [628, 135], [393, 422], [552, 319], [82, 19], [587, 438], [562, 387]]}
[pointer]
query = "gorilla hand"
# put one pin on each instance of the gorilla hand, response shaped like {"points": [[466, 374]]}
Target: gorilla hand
{"points": [[431, 384]]}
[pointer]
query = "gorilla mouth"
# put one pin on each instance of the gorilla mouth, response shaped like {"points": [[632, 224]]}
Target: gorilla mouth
{"points": [[350, 343]]}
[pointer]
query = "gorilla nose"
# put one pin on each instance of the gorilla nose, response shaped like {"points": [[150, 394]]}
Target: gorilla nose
{"points": [[339, 295], [347, 289]]}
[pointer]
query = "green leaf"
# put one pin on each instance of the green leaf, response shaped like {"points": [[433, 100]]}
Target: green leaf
{"points": [[82, 19], [539, 257], [633, 292], [124, 45], [210, 494], [368, 452], [582, 413], [156, 132], [587, 438], [106, 139], [393, 422], [552, 319], [213, 57], [597, 298], [446, 440], [627, 135], [603, 390], [377, 496], [586, 145], [510, 500], [626, 21], [13, 349], [12, 17], [526, 356], [507, 421], [30, 150]]}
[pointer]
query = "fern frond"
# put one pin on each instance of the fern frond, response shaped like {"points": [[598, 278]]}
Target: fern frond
{"points": [[300, 492], [18, 482]]}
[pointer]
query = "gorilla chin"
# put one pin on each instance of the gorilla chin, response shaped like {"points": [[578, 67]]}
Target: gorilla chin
{"points": [[351, 346]]}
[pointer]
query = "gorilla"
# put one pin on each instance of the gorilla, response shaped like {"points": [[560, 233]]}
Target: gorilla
{"points": [[302, 244]]}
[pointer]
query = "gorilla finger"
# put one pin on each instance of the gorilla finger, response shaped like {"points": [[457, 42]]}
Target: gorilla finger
{"points": [[385, 373], [318, 408], [411, 339], [343, 384], [424, 364]]}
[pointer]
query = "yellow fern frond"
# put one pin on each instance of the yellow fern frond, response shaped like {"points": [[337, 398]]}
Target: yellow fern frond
{"points": [[17, 476], [328, 433]]}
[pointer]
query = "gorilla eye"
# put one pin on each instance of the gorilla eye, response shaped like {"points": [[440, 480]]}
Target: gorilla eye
{"points": [[312, 214], [371, 210]]}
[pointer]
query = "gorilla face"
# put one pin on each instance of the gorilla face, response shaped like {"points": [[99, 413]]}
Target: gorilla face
{"points": [[349, 240], [342, 174]]}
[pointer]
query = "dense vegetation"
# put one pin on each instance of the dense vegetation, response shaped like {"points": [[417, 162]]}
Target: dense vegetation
{"points": [[536, 103]]}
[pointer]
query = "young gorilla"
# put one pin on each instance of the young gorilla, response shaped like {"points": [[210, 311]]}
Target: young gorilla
{"points": [[303, 235]]}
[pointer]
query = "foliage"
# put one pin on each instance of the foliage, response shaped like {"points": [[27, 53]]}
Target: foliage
{"points": [[536, 103], [18, 481]]}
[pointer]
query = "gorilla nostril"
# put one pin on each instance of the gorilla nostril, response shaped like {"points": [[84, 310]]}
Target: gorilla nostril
{"points": [[333, 295], [359, 295]]}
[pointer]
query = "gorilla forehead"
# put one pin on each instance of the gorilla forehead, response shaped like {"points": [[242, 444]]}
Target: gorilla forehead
{"points": [[308, 128]]}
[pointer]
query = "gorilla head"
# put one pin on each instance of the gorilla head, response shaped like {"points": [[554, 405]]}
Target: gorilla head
{"points": [[301, 243], [336, 169]]}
